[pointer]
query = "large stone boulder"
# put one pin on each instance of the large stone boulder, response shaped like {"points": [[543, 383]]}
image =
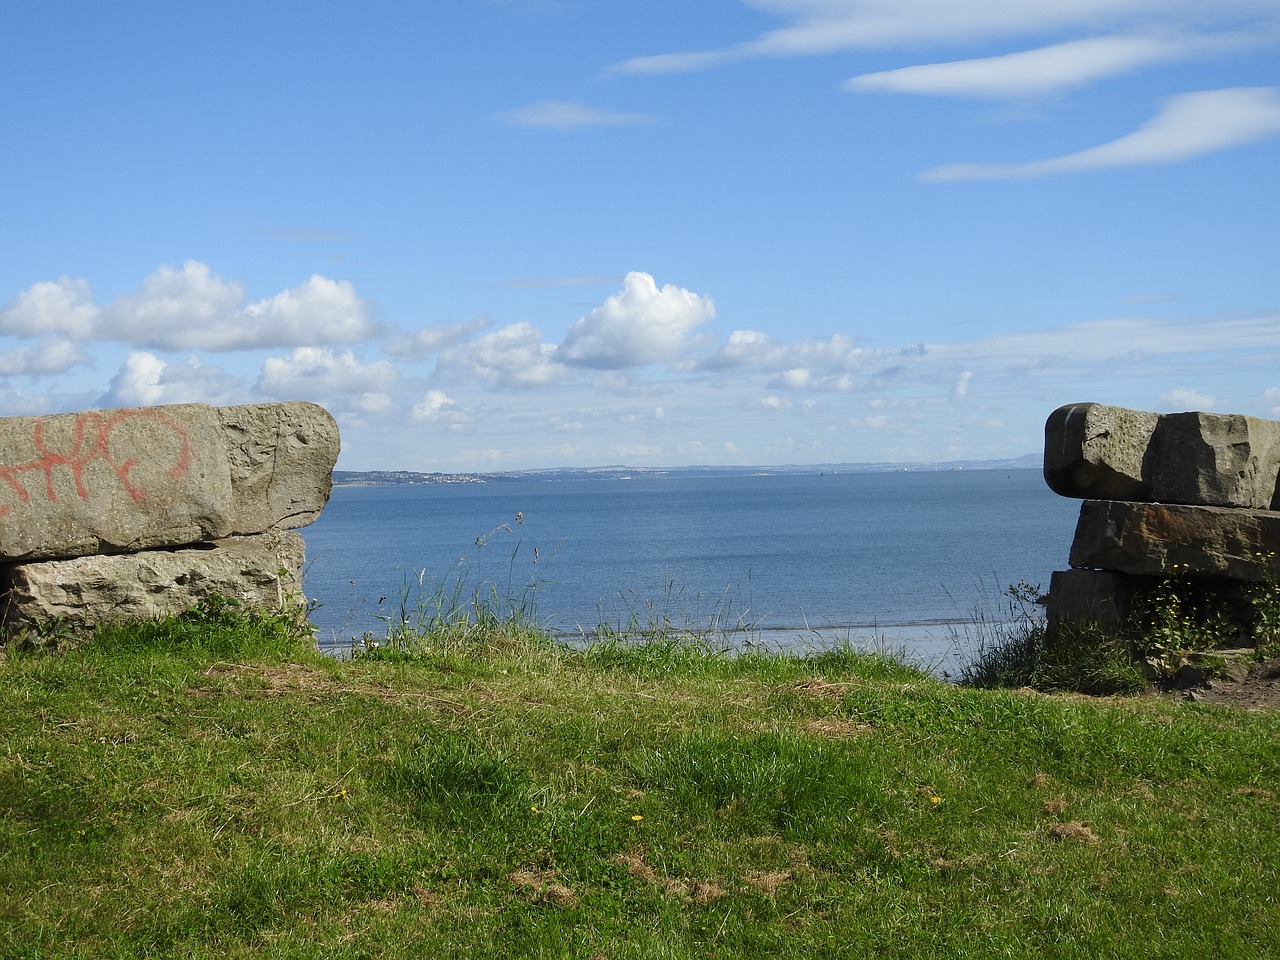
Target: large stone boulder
{"points": [[1218, 460], [264, 572], [1093, 451], [1162, 539], [120, 481], [281, 457]]}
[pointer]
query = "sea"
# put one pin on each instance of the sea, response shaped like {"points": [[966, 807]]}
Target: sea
{"points": [[915, 563]]}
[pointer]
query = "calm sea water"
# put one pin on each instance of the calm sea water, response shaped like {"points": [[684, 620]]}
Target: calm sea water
{"points": [[801, 560]]}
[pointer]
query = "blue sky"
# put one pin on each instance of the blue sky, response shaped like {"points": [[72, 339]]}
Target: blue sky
{"points": [[504, 234]]}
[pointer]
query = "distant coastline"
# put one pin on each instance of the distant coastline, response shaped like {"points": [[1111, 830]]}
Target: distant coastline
{"points": [[390, 478]]}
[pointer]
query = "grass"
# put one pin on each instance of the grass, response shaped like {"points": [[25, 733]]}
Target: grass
{"points": [[211, 787]]}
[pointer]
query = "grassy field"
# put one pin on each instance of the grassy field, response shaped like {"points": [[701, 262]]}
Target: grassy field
{"points": [[209, 787]]}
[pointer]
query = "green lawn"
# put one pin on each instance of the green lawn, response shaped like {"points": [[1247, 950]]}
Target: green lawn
{"points": [[210, 788]]}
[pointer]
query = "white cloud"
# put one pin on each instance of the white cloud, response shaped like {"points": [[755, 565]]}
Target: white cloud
{"points": [[1188, 125], [1029, 73], [834, 364], [1272, 397], [174, 310], [63, 306], [426, 341], [1185, 398], [323, 373], [317, 311], [434, 406], [960, 389], [373, 403], [193, 308], [566, 115], [144, 380], [815, 27], [47, 357], [1093, 341], [511, 356], [639, 325]]}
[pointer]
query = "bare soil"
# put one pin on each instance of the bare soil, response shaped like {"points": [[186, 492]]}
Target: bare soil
{"points": [[1259, 690]]}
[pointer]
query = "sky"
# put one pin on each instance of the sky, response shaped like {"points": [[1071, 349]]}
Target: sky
{"points": [[515, 234]]}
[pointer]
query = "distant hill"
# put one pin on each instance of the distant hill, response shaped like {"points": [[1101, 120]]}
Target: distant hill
{"points": [[1031, 461]]}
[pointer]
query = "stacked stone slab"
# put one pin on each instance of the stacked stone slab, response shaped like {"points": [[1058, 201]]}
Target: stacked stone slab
{"points": [[115, 515], [1187, 494]]}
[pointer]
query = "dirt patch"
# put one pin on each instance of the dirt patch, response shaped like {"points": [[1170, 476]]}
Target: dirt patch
{"points": [[1257, 690]]}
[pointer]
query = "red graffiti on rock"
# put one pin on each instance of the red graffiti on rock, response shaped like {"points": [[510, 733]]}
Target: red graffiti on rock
{"points": [[92, 442]]}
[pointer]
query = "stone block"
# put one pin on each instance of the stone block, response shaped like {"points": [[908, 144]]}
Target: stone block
{"points": [[120, 481], [1097, 597], [281, 458], [1219, 460], [1093, 451], [1161, 539], [262, 571]]}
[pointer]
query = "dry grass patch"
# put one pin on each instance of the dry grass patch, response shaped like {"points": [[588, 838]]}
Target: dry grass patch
{"points": [[1074, 831], [699, 891], [541, 886]]}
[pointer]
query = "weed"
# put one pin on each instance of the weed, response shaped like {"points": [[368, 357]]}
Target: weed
{"points": [[1264, 599], [1017, 651], [454, 612]]}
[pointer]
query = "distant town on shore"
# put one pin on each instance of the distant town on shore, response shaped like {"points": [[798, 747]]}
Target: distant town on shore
{"points": [[388, 478]]}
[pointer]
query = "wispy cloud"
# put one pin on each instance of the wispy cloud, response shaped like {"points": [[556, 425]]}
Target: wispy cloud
{"points": [[1188, 125], [1029, 73], [570, 115], [815, 27]]}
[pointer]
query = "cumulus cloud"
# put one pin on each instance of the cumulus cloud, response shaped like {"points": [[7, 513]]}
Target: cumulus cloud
{"points": [[960, 389], [321, 373], [567, 115], [319, 310], [191, 307], [1028, 73], [144, 380], [1185, 398], [639, 325], [46, 358], [62, 306], [435, 405], [1188, 125], [176, 309], [511, 356]]}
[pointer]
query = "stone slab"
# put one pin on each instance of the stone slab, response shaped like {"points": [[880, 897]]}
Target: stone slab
{"points": [[119, 481], [1096, 597], [1094, 451], [1162, 539], [263, 571], [281, 457]]}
